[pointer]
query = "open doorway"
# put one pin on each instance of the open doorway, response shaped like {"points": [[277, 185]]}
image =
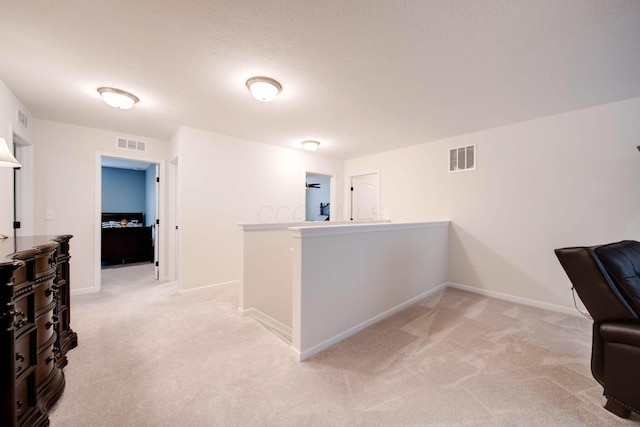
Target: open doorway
{"points": [[317, 197], [129, 219]]}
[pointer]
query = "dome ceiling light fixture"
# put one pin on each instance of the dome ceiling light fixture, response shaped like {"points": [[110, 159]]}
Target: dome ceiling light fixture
{"points": [[264, 89], [310, 145], [117, 98]]}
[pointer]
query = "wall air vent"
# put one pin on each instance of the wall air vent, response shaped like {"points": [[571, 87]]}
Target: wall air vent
{"points": [[23, 119], [130, 144], [462, 158]]}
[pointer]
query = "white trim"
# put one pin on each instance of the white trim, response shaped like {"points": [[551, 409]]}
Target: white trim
{"points": [[519, 300], [296, 353], [333, 230], [271, 226], [84, 291], [333, 196], [213, 285], [25, 198], [302, 355], [266, 320], [285, 225], [97, 229]]}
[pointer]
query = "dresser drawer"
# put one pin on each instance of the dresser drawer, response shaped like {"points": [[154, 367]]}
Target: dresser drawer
{"points": [[46, 327], [25, 395], [25, 352], [46, 363], [44, 294], [24, 313], [20, 275]]}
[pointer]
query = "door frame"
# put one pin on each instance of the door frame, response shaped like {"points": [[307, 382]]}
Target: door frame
{"points": [[24, 194], [348, 193], [173, 223], [161, 230]]}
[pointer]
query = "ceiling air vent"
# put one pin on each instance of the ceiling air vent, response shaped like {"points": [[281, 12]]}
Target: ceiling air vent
{"points": [[462, 158], [130, 144], [23, 119]]}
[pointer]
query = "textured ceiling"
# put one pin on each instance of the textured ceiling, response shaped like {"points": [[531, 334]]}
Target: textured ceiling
{"points": [[359, 76]]}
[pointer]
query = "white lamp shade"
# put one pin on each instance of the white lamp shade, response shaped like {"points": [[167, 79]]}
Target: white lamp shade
{"points": [[310, 145], [117, 98], [6, 158], [263, 88]]}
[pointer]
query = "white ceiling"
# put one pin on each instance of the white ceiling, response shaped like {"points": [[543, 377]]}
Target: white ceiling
{"points": [[359, 76]]}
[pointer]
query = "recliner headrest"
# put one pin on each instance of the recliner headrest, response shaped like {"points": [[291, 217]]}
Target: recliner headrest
{"points": [[595, 286], [622, 262]]}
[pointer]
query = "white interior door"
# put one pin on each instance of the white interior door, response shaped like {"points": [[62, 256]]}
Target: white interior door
{"points": [[365, 197], [174, 224], [156, 226]]}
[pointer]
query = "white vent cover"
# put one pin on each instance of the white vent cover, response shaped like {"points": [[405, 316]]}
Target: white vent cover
{"points": [[462, 158], [23, 119], [130, 144]]}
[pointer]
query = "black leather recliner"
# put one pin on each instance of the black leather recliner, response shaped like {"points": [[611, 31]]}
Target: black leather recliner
{"points": [[607, 279]]}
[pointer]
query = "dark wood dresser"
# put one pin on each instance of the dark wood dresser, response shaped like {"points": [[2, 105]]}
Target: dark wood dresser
{"points": [[35, 332]]}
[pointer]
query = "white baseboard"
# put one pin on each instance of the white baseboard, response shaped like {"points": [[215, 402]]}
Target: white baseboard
{"points": [[519, 300], [305, 354], [81, 291], [214, 285], [267, 320]]}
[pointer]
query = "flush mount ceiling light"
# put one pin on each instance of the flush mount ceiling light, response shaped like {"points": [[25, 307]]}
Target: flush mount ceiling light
{"points": [[263, 88], [6, 158], [118, 98], [310, 145]]}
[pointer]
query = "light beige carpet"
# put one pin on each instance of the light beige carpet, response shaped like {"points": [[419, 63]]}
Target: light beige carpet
{"points": [[150, 357]]}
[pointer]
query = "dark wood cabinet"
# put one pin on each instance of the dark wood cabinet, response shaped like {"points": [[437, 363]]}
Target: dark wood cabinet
{"points": [[35, 332], [126, 245], [66, 338], [124, 240]]}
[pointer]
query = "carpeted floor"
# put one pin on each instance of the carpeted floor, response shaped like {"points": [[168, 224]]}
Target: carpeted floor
{"points": [[148, 356]]}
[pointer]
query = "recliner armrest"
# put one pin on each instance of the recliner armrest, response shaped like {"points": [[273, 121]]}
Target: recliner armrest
{"points": [[621, 332]]}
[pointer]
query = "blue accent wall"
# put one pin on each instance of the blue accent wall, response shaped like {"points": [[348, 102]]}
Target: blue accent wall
{"points": [[123, 190]]}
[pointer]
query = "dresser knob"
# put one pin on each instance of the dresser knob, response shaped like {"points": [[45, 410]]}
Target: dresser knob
{"points": [[18, 404], [51, 359], [20, 357], [48, 292], [48, 325], [22, 319]]}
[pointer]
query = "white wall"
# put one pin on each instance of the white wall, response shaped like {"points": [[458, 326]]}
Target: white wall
{"points": [[347, 277], [265, 291], [66, 169], [224, 181], [569, 179]]}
